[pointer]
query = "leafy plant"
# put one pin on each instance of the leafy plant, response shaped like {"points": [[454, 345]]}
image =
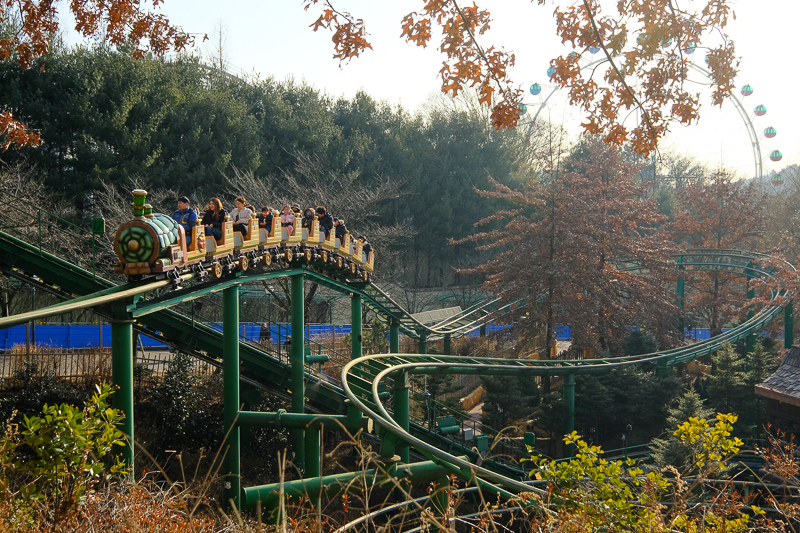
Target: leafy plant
{"points": [[59, 456], [186, 409], [589, 493]]}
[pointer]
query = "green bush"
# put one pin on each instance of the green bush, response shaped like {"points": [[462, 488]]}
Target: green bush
{"points": [[589, 493], [57, 457], [185, 410]]}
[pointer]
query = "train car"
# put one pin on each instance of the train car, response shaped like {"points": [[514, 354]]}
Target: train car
{"points": [[153, 244]]}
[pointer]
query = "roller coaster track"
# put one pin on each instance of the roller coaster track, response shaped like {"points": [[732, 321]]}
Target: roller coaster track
{"points": [[362, 379], [31, 264]]}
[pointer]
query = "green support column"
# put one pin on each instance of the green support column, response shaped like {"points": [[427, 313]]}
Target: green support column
{"points": [[569, 399], [313, 445], [313, 438], [788, 325], [483, 330], [230, 384], [447, 350], [122, 377], [423, 343], [401, 410], [751, 293], [357, 327], [298, 367], [681, 290], [394, 336]]}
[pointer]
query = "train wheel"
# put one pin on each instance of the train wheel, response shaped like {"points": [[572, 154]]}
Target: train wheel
{"points": [[308, 255], [267, 257], [244, 263], [365, 275], [323, 256], [216, 270], [339, 261], [288, 255], [352, 268]]}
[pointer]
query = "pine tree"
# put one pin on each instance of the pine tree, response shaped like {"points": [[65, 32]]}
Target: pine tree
{"points": [[727, 385], [509, 398], [670, 451]]}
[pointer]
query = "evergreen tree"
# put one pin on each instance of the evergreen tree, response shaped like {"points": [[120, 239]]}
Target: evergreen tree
{"points": [[640, 342], [670, 451], [761, 363], [509, 398], [727, 385], [606, 404]]}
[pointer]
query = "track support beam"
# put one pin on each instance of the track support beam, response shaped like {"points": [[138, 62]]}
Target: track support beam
{"points": [[122, 377], [231, 405]]}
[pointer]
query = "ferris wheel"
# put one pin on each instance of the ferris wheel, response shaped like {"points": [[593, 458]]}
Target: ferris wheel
{"points": [[750, 120]]}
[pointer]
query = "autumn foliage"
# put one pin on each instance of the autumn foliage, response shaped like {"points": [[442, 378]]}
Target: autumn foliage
{"points": [[119, 21], [572, 244], [14, 133], [646, 44], [720, 213]]}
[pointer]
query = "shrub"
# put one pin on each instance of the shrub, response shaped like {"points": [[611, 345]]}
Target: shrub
{"points": [[589, 493], [57, 457]]}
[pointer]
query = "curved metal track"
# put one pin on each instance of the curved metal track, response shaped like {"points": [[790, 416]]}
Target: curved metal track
{"points": [[361, 378], [364, 393]]}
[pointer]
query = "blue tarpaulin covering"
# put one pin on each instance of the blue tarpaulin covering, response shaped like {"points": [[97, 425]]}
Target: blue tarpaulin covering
{"points": [[71, 336]]}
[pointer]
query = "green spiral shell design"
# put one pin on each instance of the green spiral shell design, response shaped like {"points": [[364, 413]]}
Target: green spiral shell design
{"points": [[135, 244]]}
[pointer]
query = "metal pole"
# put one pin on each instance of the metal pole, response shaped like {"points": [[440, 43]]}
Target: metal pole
{"points": [[297, 357], [788, 325], [230, 377], [394, 337], [423, 342], [356, 326], [336, 484], [751, 293], [313, 438], [447, 350], [401, 410], [122, 377], [313, 463], [680, 302], [569, 399]]}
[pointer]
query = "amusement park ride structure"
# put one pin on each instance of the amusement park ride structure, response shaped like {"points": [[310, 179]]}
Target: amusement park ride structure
{"points": [[366, 381], [546, 92]]}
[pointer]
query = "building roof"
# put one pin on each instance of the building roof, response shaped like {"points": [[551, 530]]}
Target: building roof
{"points": [[784, 384]]}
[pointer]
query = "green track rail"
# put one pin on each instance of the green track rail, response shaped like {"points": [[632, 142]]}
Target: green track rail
{"points": [[363, 379], [153, 317]]}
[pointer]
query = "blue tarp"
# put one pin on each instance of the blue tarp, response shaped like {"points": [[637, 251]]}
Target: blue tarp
{"points": [[69, 336], [65, 336]]}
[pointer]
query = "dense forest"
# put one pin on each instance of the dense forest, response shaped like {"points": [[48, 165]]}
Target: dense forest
{"points": [[107, 120]]}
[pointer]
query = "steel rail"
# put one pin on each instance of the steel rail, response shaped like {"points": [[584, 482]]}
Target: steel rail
{"points": [[86, 302], [361, 369]]}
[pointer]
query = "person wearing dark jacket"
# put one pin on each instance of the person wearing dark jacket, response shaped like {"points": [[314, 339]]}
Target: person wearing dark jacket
{"points": [[366, 248], [213, 218], [341, 229], [308, 219], [325, 220], [265, 219]]}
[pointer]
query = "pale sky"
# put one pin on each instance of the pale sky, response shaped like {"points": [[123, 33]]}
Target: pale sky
{"points": [[273, 38]]}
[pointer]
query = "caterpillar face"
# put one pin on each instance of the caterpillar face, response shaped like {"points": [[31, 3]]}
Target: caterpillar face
{"points": [[135, 244]]}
